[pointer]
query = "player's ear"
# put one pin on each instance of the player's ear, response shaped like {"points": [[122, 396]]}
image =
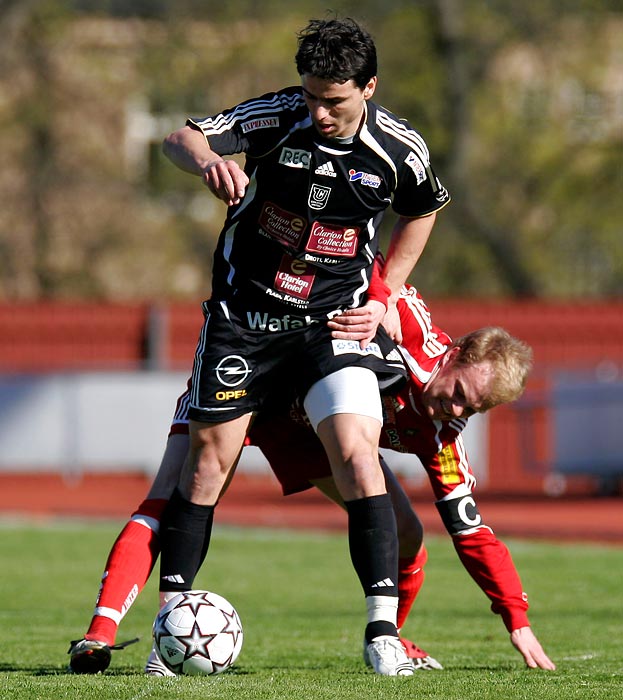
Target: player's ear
{"points": [[369, 89], [450, 355]]}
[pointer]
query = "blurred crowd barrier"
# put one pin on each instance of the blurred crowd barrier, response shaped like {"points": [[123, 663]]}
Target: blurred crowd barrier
{"points": [[92, 387]]}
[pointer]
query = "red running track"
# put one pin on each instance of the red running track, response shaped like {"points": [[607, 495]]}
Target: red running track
{"points": [[257, 502]]}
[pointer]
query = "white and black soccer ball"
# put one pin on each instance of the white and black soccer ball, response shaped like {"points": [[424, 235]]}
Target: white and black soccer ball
{"points": [[198, 632]]}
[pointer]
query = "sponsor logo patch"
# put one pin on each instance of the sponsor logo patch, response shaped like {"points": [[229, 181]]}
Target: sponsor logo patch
{"points": [[294, 277], [295, 158], [258, 320], [339, 241], [318, 197], [417, 166], [232, 370], [254, 124], [282, 225], [366, 179], [344, 347], [230, 394], [449, 466], [326, 169]]}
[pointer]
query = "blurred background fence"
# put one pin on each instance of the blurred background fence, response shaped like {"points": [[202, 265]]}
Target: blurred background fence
{"points": [[92, 387]]}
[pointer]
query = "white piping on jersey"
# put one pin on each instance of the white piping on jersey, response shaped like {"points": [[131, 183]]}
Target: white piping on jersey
{"points": [[181, 410], [408, 136], [223, 122], [458, 423], [431, 344], [249, 194], [225, 308], [228, 244], [331, 151], [358, 293], [367, 138], [194, 392], [423, 375]]}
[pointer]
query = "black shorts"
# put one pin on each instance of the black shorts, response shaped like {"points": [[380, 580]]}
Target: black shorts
{"points": [[238, 370]]}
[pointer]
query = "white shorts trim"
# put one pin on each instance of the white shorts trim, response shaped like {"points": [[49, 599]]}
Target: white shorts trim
{"points": [[349, 390]]}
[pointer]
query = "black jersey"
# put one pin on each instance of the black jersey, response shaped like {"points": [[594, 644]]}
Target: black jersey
{"points": [[303, 239]]}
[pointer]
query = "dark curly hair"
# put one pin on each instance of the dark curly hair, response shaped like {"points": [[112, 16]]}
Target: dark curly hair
{"points": [[336, 50]]}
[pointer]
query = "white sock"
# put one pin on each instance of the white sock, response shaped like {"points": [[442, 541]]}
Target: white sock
{"points": [[382, 607]]}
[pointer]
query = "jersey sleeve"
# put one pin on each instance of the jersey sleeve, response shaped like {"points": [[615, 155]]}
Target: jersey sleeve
{"points": [[490, 564], [419, 191], [378, 290], [415, 197], [254, 126]]}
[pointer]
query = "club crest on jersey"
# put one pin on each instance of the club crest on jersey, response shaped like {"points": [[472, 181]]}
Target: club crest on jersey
{"points": [[254, 124], [295, 158], [442, 194], [318, 197], [367, 179]]}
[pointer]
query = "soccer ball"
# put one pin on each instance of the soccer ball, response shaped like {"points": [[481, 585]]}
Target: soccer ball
{"points": [[198, 632]]}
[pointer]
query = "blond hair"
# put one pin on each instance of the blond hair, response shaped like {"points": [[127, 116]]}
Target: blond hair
{"points": [[509, 357]]}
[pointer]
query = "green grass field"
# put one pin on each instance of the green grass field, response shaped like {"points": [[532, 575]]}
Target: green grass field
{"points": [[303, 617]]}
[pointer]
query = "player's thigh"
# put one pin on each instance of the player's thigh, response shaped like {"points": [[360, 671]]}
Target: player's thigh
{"points": [[213, 454], [351, 446]]}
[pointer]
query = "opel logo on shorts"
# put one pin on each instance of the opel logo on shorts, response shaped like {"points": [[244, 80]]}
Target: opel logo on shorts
{"points": [[232, 370]]}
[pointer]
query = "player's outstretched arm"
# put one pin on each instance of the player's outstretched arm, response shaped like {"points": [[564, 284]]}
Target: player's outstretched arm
{"points": [[526, 643]]}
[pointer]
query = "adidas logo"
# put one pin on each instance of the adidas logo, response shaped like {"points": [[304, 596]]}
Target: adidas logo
{"points": [[175, 578], [326, 169], [385, 583], [394, 356]]}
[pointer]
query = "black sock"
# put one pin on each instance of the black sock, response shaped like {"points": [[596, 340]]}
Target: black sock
{"points": [[380, 628], [373, 542], [185, 531]]}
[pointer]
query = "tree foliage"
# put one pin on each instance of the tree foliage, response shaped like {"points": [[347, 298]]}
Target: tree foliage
{"points": [[526, 133]]}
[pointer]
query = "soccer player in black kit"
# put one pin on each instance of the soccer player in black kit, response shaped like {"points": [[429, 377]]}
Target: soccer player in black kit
{"points": [[323, 163]]}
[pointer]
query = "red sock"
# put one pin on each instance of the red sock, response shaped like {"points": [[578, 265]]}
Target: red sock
{"points": [[128, 567], [410, 580]]}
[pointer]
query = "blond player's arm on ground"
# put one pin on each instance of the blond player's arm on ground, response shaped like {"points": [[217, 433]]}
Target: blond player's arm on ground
{"points": [[188, 149], [526, 643]]}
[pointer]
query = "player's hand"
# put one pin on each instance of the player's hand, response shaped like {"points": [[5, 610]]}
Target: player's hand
{"points": [[358, 324], [526, 643], [391, 323], [226, 180]]}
